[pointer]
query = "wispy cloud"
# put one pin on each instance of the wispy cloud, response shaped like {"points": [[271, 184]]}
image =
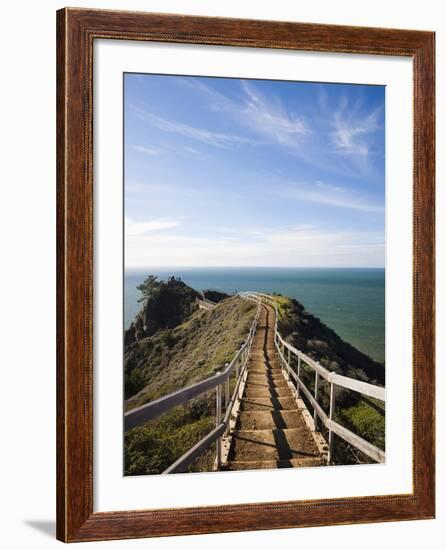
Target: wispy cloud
{"points": [[148, 189], [165, 149], [351, 131], [269, 119], [209, 137], [133, 229], [342, 129], [217, 99], [153, 151], [330, 195], [301, 245], [351, 134]]}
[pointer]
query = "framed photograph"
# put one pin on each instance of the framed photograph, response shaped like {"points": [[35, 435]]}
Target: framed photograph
{"points": [[245, 275]]}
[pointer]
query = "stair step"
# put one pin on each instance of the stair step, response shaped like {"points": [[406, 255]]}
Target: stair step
{"points": [[261, 445], [263, 420], [259, 391], [266, 377], [266, 403], [264, 370], [273, 387], [266, 383], [274, 464], [260, 352]]}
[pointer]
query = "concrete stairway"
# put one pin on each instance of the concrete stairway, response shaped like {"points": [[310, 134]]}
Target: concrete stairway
{"points": [[270, 431]]}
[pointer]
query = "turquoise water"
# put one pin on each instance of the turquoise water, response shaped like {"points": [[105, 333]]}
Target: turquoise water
{"points": [[350, 301]]}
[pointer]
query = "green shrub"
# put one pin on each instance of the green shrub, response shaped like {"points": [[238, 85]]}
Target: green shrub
{"points": [[133, 383], [366, 421], [154, 446]]}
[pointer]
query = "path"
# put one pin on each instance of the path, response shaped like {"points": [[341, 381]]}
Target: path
{"points": [[270, 431]]}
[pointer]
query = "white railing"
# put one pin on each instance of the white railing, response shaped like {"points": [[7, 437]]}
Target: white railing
{"points": [[284, 348], [220, 382], [204, 303]]}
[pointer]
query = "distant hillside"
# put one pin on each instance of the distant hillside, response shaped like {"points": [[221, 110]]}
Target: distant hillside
{"points": [[173, 358], [308, 334], [214, 295]]}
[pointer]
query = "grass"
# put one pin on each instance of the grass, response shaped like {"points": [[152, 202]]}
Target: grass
{"points": [[172, 359], [154, 446], [283, 305], [196, 349], [365, 420]]}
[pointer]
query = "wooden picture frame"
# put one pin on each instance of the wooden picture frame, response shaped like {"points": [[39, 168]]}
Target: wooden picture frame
{"points": [[76, 31]]}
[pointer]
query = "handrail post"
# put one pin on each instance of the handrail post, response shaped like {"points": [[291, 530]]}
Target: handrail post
{"points": [[298, 374], [217, 423], [289, 362], [227, 403], [331, 415], [316, 388]]}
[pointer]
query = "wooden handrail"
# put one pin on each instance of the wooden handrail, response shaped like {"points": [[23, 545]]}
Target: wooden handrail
{"points": [[371, 390], [333, 378], [155, 408], [186, 460], [205, 303], [365, 388]]}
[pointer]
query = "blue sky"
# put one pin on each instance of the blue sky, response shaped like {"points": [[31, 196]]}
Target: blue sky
{"points": [[231, 172]]}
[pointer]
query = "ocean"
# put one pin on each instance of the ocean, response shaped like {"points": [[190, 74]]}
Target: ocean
{"points": [[350, 301]]}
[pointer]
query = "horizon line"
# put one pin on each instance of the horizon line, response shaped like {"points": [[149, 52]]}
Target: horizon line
{"points": [[126, 268]]}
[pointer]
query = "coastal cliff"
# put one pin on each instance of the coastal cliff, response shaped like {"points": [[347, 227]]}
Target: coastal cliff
{"points": [[172, 344]]}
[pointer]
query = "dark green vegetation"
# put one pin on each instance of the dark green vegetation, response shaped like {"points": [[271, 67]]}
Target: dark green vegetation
{"points": [[312, 337], [362, 415], [166, 304], [214, 295], [175, 345]]}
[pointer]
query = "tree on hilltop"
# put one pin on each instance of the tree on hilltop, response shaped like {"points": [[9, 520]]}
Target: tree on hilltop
{"points": [[149, 287]]}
